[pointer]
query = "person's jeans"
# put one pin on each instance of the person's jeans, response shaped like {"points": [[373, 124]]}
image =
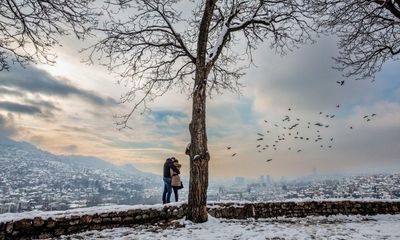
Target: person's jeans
{"points": [[167, 190], [175, 193]]}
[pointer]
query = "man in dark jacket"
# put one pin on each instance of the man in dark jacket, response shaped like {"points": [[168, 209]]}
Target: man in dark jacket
{"points": [[168, 165]]}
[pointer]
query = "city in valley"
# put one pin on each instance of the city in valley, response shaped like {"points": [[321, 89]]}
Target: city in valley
{"points": [[33, 179]]}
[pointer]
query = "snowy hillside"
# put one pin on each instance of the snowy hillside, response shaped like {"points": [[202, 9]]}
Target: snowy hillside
{"points": [[34, 179]]}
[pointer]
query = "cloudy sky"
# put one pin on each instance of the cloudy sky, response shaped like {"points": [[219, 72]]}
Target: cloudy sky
{"points": [[69, 108]]}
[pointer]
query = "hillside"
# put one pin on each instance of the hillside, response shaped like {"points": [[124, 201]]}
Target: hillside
{"points": [[35, 179]]}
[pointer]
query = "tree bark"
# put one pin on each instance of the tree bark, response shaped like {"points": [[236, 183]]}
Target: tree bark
{"points": [[199, 156]]}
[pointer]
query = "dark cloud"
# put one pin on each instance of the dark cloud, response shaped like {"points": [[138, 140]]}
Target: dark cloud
{"points": [[19, 108], [7, 128], [30, 107], [34, 80], [43, 104]]}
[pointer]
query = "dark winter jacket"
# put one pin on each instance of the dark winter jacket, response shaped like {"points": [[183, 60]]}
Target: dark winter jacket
{"points": [[168, 165]]}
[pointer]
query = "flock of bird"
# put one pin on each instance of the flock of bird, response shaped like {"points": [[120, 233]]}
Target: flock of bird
{"points": [[294, 128]]}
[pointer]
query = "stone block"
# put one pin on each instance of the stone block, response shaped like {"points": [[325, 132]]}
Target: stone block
{"points": [[128, 219], [45, 235], [9, 227], [74, 222], [59, 231], [38, 222], [23, 224], [97, 220], [73, 229], [50, 223], [86, 219]]}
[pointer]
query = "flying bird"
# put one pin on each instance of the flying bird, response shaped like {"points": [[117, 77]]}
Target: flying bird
{"points": [[258, 146], [260, 134], [332, 116], [228, 148], [318, 124], [259, 139], [365, 116], [269, 160], [373, 115], [340, 82], [293, 126], [289, 109], [233, 154], [299, 150], [338, 106]]}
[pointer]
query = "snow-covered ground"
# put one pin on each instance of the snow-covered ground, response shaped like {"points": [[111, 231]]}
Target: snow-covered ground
{"points": [[333, 227]]}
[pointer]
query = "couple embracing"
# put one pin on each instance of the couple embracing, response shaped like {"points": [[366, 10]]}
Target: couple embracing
{"points": [[172, 180]]}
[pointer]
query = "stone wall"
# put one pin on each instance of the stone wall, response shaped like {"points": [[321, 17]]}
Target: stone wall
{"points": [[38, 227], [302, 209]]}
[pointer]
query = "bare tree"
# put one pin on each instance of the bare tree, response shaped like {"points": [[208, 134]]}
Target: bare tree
{"points": [[29, 28], [369, 32], [154, 48]]}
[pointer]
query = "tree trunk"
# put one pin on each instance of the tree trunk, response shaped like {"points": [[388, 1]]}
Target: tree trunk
{"points": [[199, 156]]}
